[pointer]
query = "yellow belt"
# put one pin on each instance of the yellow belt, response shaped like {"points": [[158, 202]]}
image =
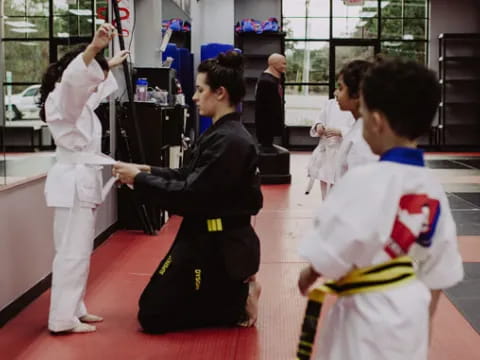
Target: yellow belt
{"points": [[369, 279]]}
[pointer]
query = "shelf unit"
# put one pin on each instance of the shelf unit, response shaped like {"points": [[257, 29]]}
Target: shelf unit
{"points": [[459, 76], [183, 39], [256, 48]]}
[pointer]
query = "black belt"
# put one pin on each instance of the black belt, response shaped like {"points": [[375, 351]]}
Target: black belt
{"points": [[218, 224]]}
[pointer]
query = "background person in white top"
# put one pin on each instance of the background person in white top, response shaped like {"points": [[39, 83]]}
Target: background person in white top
{"points": [[382, 211], [333, 124], [71, 90], [354, 151]]}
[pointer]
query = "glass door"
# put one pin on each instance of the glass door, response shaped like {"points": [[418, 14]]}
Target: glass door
{"points": [[342, 52]]}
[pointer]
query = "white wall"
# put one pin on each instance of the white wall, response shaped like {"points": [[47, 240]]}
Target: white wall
{"points": [[148, 33], [26, 239], [171, 10], [212, 22], [447, 16]]}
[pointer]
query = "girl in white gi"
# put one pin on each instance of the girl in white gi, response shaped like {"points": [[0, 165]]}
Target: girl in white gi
{"points": [[71, 90], [331, 127], [353, 151], [374, 216]]}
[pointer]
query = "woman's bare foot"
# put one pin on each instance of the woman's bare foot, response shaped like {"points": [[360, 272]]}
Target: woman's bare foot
{"points": [[251, 306], [90, 318]]}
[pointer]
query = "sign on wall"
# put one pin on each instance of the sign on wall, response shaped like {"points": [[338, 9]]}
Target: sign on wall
{"points": [[126, 8]]}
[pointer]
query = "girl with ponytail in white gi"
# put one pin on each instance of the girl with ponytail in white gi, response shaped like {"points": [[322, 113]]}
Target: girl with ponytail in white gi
{"points": [[353, 151], [71, 90], [333, 124]]}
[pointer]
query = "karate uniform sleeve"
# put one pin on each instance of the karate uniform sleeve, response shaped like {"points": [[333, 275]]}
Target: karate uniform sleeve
{"points": [[218, 173], [360, 154], [322, 120], [167, 173], [348, 229], [345, 127], [442, 267], [78, 83]]}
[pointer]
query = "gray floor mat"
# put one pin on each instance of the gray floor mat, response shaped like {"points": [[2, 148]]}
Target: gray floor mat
{"points": [[445, 164], [473, 198], [468, 222], [466, 295]]}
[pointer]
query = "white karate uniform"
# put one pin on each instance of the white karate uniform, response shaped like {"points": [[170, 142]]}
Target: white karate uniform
{"points": [[74, 183], [354, 150], [322, 164], [352, 229]]}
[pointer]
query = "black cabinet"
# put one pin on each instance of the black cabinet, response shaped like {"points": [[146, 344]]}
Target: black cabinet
{"points": [[459, 73], [161, 129]]}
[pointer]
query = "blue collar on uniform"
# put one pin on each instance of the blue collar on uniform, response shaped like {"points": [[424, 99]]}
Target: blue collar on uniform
{"points": [[404, 155]]}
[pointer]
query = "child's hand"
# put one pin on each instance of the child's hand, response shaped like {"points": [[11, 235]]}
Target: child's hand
{"points": [[306, 279], [118, 59], [331, 132], [320, 129], [102, 37]]}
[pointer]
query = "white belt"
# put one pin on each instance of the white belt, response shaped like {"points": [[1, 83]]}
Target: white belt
{"points": [[86, 158]]}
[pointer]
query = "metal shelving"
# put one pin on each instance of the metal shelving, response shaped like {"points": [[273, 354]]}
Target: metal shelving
{"points": [[459, 77]]}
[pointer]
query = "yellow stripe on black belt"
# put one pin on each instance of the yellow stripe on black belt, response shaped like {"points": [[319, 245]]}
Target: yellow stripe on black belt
{"points": [[373, 278], [214, 225]]}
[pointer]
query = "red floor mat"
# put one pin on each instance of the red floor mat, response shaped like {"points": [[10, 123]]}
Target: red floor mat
{"points": [[121, 267]]}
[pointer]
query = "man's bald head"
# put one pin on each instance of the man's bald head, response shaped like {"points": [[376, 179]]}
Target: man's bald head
{"points": [[277, 63]]}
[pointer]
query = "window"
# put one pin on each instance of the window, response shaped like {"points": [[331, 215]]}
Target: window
{"points": [[29, 44], [321, 35]]}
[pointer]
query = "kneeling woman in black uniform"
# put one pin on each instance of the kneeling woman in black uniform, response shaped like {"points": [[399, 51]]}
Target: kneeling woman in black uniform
{"points": [[207, 277]]}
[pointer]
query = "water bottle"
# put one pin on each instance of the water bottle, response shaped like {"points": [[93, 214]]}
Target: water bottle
{"points": [[141, 93]]}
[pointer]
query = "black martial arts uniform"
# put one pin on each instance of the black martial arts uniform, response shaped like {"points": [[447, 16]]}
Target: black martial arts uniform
{"points": [[200, 282], [269, 117]]}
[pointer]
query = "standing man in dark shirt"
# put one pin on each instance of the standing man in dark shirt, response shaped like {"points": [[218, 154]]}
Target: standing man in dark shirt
{"points": [[269, 118]]}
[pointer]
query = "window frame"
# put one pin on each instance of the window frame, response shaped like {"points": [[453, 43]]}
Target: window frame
{"points": [[53, 41], [376, 41]]}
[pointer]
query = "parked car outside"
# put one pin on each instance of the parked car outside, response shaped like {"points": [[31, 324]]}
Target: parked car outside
{"points": [[24, 104]]}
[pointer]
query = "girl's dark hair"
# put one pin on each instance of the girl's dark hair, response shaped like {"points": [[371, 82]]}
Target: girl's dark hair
{"points": [[55, 71], [407, 93], [225, 70], [352, 75]]}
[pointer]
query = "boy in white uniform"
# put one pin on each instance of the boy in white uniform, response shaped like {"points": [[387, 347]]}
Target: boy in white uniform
{"points": [[374, 216], [333, 124], [353, 151]]}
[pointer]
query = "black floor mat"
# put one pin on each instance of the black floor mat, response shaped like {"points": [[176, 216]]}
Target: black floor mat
{"points": [[472, 162], [445, 164], [466, 295]]}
